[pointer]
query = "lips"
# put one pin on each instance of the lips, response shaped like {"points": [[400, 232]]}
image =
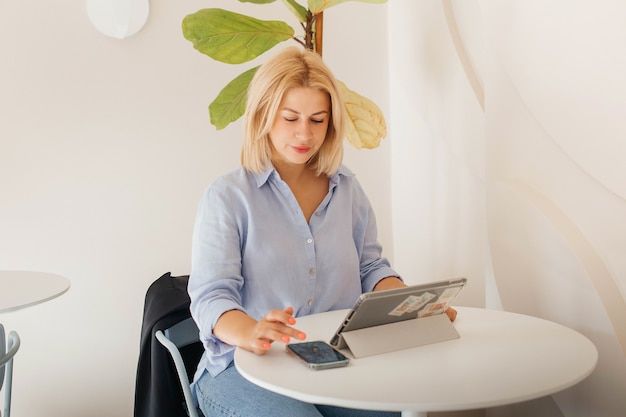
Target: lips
{"points": [[301, 149]]}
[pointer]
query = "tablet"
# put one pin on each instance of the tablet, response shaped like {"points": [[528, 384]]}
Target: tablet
{"points": [[398, 304]]}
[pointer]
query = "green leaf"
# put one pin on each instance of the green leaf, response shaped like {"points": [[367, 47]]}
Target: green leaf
{"points": [[230, 103], [366, 124], [316, 6], [231, 37], [298, 10], [294, 7], [257, 1]]}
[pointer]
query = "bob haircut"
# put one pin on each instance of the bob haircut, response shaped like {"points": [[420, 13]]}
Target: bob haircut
{"points": [[291, 68]]}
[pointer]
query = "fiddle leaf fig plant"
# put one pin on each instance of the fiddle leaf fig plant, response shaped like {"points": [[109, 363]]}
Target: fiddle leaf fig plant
{"points": [[234, 38]]}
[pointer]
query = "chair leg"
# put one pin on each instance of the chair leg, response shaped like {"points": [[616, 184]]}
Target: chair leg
{"points": [[13, 343], [8, 388]]}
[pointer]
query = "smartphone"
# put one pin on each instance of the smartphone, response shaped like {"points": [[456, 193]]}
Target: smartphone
{"points": [[318, 355]]}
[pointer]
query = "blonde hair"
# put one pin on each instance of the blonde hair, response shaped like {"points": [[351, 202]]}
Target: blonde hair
{"points": [[291, 68]]}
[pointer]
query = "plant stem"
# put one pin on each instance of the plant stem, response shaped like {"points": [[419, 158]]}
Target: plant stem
{"points": [[313, 31], [319, 32], [308, 31]]}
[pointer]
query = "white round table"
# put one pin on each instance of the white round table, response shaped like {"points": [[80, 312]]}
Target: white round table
{"points": [[500, 358], [21, 289]]}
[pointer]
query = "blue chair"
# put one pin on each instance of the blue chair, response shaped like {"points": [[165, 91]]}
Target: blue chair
{"points": [[174, 338], [169, 351], [7, 352]]}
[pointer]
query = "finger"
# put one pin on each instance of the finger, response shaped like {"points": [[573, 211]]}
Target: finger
{"points": [[451, 313], [298, 335], [282, 333], [278, 331], [261, 347], [281, 316], [291, 320]]}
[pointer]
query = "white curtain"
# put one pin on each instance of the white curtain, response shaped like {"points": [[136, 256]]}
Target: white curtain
{"points": [[508, 133]]}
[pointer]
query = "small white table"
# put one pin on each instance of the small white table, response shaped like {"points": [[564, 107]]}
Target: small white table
{"points": [[21, 289], [501, 358]]}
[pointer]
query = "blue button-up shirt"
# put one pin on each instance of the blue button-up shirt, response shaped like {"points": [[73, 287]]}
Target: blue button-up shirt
{"points": [[254, 251]]}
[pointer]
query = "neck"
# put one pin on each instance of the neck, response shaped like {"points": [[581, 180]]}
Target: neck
{"points": [[292, 172]]}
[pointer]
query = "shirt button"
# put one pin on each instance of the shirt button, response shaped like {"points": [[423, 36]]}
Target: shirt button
{"points": [[312, 271], [309, 241], [310, 302]]}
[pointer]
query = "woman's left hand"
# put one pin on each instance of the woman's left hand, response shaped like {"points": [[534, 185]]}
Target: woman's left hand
{"points": [[451, 313]]}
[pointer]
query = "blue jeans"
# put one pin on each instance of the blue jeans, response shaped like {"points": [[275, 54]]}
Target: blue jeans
{"points": [[231, 395]]}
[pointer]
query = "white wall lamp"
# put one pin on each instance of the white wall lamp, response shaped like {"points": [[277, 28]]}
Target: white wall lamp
{"points": [[118, 18]]}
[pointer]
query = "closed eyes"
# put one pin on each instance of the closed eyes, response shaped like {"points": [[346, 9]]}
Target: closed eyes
{"points": [[291, 119]]}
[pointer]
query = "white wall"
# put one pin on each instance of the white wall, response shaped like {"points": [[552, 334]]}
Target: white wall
{"points": [[437, 138], [105, 147], [509, 117]]}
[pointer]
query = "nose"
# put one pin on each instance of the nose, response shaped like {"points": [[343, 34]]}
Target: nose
{"points": [[303, 130]]}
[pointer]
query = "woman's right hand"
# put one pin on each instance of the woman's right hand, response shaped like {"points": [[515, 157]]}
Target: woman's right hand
{"points": [[238, 329], [274, 327]]}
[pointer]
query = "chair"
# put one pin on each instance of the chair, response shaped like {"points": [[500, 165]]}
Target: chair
{"points": [[7, 352], [174, 338], [170, 350]]}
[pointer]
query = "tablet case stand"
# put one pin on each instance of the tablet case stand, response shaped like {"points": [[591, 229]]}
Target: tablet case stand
{"points": [[401, 335]]}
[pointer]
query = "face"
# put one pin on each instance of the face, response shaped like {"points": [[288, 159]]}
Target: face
{"points": [[300, 125]]}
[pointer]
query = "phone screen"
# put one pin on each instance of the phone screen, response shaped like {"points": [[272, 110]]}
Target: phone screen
{"points": [[318, 354]]}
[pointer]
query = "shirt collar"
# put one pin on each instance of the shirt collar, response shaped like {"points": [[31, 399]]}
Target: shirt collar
{"points": [[264, 176]]}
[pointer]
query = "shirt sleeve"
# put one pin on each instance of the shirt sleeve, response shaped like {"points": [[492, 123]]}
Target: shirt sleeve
{"points": [[215, 281], [373, 266]]}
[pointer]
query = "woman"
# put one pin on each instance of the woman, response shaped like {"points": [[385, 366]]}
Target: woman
{"points": [[288, 234]]}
